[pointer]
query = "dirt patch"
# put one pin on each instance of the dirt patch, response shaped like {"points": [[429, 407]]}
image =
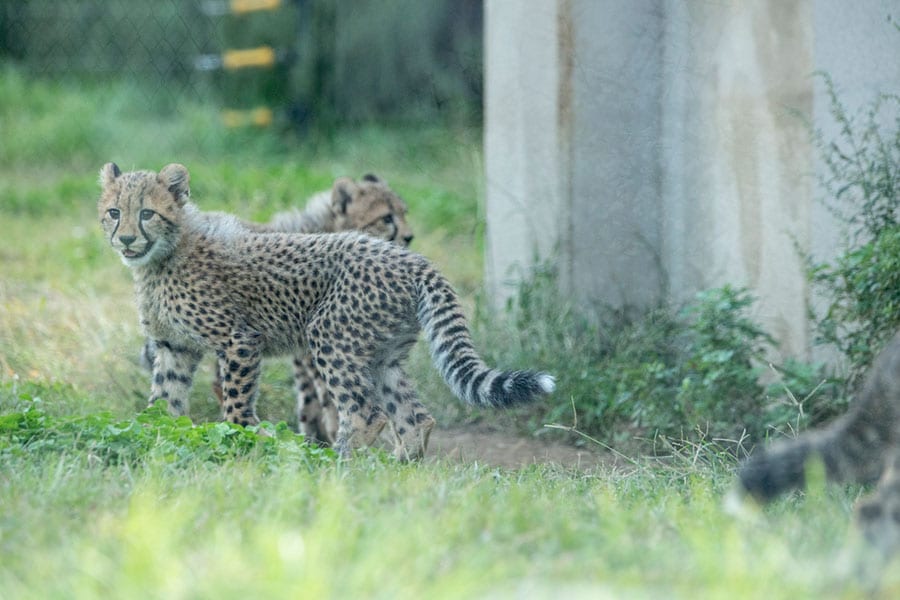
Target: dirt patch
{"points": [[507, 450]]}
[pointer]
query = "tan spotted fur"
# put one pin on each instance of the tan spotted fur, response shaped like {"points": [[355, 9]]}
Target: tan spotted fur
{"points": [[354, 303], [368, 205]]}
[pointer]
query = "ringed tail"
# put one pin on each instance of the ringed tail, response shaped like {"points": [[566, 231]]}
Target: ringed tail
{"points": [[452, 351]]}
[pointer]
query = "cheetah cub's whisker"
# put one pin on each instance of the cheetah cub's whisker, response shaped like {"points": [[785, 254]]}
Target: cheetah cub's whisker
{"points": [[354, 303]]}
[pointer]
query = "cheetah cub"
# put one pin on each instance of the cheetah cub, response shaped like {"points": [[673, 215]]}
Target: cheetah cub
{"points": [[353, 302], [368, 205], [863, 446]]}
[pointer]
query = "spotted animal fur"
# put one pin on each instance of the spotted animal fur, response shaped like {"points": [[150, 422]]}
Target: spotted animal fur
{"points": [[370, 206], [353, 302]]}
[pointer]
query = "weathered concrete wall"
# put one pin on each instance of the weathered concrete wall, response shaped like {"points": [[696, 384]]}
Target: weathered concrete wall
{"points": [[525, 179], [736, 156], [613, 131], [568, 162], [660, 148]]}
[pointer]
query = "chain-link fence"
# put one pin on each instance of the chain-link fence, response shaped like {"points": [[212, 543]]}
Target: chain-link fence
{"points": [[305, 61]]}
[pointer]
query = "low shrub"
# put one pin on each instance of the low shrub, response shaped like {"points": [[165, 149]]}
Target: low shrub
{"points": [[860, 286], [692, 372]]}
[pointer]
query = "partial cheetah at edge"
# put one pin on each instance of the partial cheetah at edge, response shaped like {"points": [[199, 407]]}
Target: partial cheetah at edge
{"points": [[861, 446]]}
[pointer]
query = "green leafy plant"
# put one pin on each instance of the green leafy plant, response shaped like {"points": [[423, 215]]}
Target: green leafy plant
{"points": [[691, 373], [152, 433], [861, 285]]}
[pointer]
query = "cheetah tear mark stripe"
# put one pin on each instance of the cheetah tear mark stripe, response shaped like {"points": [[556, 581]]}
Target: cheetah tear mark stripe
{"points": [[440, 316], [394, 229]]}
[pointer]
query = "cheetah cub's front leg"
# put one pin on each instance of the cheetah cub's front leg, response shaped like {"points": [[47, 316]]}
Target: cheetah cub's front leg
{"points": [[239, 364], [173, 375]]}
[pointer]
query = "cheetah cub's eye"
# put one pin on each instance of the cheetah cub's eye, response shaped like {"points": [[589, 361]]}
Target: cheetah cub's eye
{"points": [[388, 219], [113, 213], [147, 214]]}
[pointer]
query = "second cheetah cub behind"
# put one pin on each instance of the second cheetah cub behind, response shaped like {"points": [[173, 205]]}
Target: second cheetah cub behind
{"points": [[355, 303]]}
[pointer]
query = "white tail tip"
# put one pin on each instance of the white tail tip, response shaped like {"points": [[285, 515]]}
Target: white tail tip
{"points": [[547, 383]]}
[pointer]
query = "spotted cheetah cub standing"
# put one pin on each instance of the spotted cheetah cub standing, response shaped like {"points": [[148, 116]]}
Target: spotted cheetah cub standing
{"points": [[863, 446], [372, 207], [368, 205], [355, 303]]}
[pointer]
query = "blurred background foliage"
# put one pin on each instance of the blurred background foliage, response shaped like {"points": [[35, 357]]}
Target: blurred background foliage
{"points": [[338, 63]]}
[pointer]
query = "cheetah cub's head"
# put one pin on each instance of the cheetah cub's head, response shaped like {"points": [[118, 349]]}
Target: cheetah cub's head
{"points": [[140, 211], [372, 207]]}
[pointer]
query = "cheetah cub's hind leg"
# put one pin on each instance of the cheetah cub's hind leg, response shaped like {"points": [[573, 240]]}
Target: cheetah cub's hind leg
{"points": [[410, 421], [358, 428], [316, 416], [350, 389]]}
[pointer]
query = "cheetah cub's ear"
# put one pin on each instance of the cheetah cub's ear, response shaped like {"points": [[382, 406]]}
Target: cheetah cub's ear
{"points": [[342, 194], [373, 178], [175, 178], [109, 173]]}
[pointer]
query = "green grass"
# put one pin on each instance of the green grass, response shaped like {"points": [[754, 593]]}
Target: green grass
{"points": [[192, 514], [98, 499]]}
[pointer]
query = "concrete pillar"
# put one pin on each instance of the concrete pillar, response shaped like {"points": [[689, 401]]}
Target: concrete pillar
{"points": [[658, 148], [860, 49], [736, 156], [571, 146], [611, 246], [525, 178]]}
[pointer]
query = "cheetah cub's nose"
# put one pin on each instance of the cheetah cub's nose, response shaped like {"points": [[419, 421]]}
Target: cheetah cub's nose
{"points": [[127, 239]]}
